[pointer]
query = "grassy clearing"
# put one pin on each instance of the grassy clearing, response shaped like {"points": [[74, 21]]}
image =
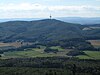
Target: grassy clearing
{"points": [[35, 52], [90, 55], [57, 47], [39, 52]]}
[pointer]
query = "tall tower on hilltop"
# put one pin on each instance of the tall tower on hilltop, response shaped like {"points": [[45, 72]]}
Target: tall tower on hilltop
{"points": [[50, 16]]}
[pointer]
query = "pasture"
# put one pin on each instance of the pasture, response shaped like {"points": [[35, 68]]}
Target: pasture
{"points": [[90, 55], [35, 52], [95, 43]]}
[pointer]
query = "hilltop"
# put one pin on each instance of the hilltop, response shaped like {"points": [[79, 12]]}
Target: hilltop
{"points": [[46, 29]]}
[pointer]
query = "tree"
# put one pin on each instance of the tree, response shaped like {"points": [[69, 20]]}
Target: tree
{"points": [[0, 56], [48, 50], [74, 69], [75, 53]]}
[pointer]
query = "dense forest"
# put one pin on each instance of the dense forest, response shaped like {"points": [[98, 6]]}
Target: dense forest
{"points": [[49, 66]]}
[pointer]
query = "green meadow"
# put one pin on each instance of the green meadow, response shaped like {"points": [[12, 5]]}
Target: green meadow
{"points": [[35, 52], [39, 52], [90, 55]]}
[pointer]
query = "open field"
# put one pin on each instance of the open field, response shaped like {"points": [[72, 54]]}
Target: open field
{"points": [[90, 55], [95, 43], [35, 52], [57, 47], [39, 52], [15, 44]]}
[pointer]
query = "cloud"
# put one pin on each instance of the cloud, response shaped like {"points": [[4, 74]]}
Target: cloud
{"points": [[22, 6], [36, 6], [40, 10]]}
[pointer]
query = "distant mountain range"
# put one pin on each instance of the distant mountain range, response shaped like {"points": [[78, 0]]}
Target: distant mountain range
{"points": [[46, 30], [80, 20], [19, 19]]}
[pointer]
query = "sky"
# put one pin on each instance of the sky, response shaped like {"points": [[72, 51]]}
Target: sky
{"points": [[43, 8]]}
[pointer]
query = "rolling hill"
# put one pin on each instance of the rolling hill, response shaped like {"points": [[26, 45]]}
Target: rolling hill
{"points": [[45, 30], [18, 36]]}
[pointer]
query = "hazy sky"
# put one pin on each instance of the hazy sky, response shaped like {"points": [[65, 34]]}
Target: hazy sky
{"points": [[43, 8]]}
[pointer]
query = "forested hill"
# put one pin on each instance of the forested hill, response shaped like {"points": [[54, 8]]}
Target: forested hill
{"points": [[43, 30]]}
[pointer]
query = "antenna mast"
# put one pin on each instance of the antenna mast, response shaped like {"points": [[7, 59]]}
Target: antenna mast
{"points": [[50, 16]]}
